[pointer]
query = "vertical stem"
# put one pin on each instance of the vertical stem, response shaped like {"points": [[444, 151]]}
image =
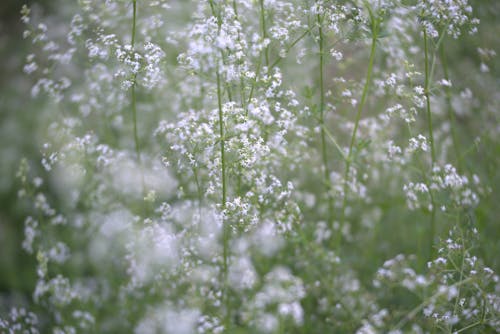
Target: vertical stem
{"points": [[254, 81], [432, 231], [356, 125], [427, 98], [223, 168], [226, 231], [134, 120], [451, 115], [266, 51], [134, 17], [326, 174], [235, 8], [462, 267], [134, 99], [242, 82], [363, 98], [264, 31], [222, 140]]}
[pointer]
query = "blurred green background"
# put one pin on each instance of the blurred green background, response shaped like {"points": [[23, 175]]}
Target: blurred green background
{"points": [[18, 122]]}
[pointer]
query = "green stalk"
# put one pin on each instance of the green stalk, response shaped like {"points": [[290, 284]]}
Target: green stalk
{"points": [[254, 82], [298, 39], [363, 99], [134, 17], [427, 98], [264, 30], [466, 328], [451, 115], [242, 82], [432, 231], [226, 230], [266, 51], [134, 99], [235, 8], [274, 64], [375, 28], [426, 302], [462, 269], [437, 46], [326, 174], [134, 120], [223, 165]]}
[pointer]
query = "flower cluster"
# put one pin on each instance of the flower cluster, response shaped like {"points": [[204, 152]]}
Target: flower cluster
{"points": [[447, 16]]}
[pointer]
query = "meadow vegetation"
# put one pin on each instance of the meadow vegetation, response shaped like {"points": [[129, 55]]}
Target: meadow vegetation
{"points": [[260, 166]]}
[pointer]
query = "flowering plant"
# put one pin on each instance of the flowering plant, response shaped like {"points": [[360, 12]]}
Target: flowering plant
{"points": [[205, 171]]}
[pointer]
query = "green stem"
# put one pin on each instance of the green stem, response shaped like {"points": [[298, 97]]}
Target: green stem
{"points": [[264, 30], [437, 46], [432, 232], [274, 64], [242, 82], [451, 115], [134, 120], [334, 142], [226, 230], [462, 267], [254, 82], [134, 99], [356, 125], [134, 17], [279, 59], [431, 139], [426, 302], [235, 8], [266, 52], [475, 324], [223, 162], [326, 173], [363, 98], [427, 98]]}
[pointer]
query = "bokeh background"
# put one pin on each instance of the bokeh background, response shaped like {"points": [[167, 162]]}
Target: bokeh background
{"points": [[18, 138]]}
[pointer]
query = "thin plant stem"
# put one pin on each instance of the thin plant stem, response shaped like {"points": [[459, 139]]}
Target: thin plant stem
{"points": [[449, 107], [274, 64], [242, 82], [462, 269], [266, 51], [278, 60], [432, 231], [326, 173], [422, 234], [363, 99], [134, 99], [254, 82], [334, 142], [426, 302], [427, 98], [223, 163], [235, 8], [364, 94], [134, 120], [134, 19], [437, 46], [226, 231], [264, 30], [475, 324]]}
